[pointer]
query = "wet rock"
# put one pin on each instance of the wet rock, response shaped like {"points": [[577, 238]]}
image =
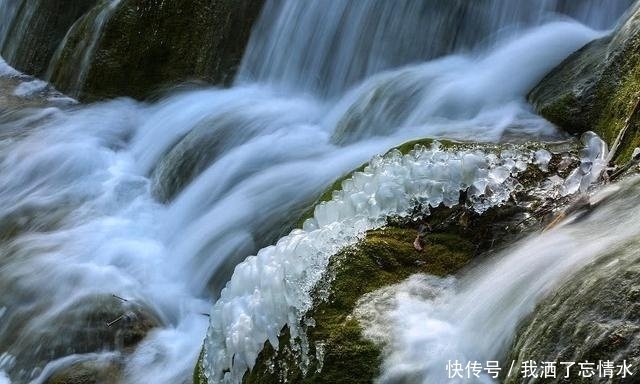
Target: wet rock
{"points": [[89, 372], [339, 353], [384, 104], [597, 88], [197, 150], [23, 97], [148, 44], [594, 317], [94, 323]]}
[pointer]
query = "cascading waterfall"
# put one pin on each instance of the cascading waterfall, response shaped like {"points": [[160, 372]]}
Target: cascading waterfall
{"points": [[84, 51], [342, 44], [79, 218], [8, 11]]}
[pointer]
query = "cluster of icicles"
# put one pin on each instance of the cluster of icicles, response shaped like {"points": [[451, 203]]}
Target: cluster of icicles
{"points": [[273, 288]]}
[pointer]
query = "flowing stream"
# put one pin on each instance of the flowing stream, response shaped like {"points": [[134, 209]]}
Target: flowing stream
{"points": [[433, 321], [322, 89]]}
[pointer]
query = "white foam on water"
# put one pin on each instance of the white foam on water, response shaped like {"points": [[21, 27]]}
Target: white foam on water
{"points": [[4, 379], [75, 186], [6, 70]]}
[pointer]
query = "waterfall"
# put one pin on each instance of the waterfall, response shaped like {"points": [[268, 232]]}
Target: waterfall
{"points": [[78, 214], [339, 45], [84, 50], [8, 11], [18, 26]]}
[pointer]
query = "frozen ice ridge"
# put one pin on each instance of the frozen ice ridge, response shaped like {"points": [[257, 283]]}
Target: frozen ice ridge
{"points": [[273, 289], [593, 161]]}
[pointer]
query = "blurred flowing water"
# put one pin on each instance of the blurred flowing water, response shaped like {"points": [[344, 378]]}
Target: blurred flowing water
{"points": [[432, 321], [323, 87], [339, 45]]}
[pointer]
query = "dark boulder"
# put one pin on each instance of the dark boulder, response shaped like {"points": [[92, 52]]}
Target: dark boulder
{"points": [[90, 324], [148, 44], [597, 88]]}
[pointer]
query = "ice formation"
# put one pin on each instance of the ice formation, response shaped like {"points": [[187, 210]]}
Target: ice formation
{"points": [[273, 288], [592, 163]]}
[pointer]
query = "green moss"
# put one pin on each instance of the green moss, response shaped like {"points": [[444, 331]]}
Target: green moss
{"points": [[596, 88], [384, 257], [149, 45], [619, 110], [198, 372], [556, 111]]}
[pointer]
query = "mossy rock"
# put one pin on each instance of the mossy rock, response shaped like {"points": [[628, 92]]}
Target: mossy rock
{"points": [[337, 350], [149, 44], [404, 148], [597, 88], [88, 372], [593, 317], [93, 323], [340, 353], [528, 178], [198, 373]]}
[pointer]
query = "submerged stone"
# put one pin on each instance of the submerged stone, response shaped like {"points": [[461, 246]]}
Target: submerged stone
{"points": [[89, 372], [94, 323]]}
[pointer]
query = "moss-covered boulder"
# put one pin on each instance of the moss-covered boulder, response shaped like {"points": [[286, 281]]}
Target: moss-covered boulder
{"points": [[594, 317], [341, 354], [146, 44], [440, 243], [597, 88], [97, 371], [93, 323], [37, 29]]}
